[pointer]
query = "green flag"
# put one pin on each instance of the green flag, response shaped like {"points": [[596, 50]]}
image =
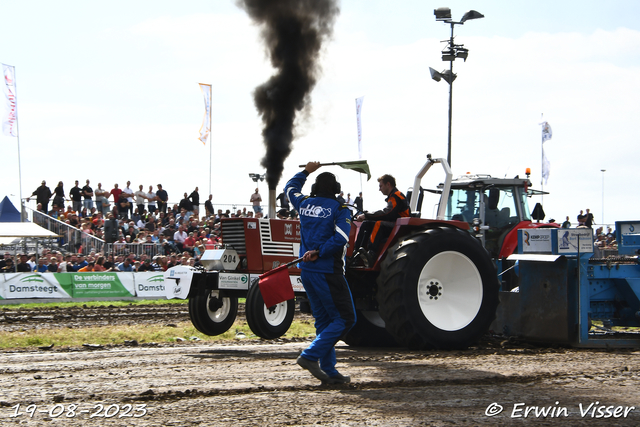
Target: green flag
{"points": [[358, 166]]}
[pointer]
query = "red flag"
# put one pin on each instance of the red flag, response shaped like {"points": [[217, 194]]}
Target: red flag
{"points": [[275, 286]]}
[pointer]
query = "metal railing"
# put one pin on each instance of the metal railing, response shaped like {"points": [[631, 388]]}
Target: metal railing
{"points": [[71, 239], [149, 249], [76, 241]]}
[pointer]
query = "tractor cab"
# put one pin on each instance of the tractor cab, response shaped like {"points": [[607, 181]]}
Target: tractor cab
{"points": [[493, 207]]}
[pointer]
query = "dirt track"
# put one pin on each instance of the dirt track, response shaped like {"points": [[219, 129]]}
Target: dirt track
{"points": [[258, 383], [12, 319]]}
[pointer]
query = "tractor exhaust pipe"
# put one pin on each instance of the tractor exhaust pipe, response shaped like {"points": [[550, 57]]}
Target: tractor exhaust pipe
{"points": [[272, 203]]}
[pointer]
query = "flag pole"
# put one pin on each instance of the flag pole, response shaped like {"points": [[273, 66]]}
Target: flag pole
{"points": [[210, 137], [359, 102], [541, 162], [22, 211], [335, 163]]}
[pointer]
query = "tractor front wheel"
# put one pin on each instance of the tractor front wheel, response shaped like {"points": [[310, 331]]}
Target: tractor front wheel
{"points": [[268, 322], [438, 288], [211, 314]]}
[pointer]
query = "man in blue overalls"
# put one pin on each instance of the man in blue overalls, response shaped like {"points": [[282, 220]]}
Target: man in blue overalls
{"points": [[325, 226]]}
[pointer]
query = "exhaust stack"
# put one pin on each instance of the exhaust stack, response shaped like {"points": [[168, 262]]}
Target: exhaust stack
{"points": [[293, 33], [272, 203]]}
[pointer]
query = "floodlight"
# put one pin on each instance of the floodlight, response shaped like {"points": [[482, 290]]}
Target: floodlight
{"points": [[256, 176], [447, 75], [449, 55], [435, 75], [442, 13], [462, 53], [472, 14]]}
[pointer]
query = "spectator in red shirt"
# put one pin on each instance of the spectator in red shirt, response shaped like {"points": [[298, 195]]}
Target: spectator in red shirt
{"points": [[189, 243], [116, 192]]}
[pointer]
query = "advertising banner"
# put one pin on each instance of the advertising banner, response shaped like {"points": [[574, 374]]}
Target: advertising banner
{"points": [[233, 281], [34, 285], [150, 284], [178, 281], [574, 240], [536, 240], [98, 284], [296, 284]]}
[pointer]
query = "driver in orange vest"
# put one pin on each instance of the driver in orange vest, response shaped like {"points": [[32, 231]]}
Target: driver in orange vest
{"points": [[378, 225]]}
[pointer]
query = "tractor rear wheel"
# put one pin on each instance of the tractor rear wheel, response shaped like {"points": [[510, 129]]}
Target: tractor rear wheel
{"points": [[211, 314], [438, 288], [369, 331], [268, 322]]}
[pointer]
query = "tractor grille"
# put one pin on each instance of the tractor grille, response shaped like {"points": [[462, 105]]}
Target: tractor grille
{"points": [[233, 236], [269, 247]]}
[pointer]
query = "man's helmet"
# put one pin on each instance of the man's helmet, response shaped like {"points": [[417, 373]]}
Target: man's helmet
{"points": [[326, 185]]}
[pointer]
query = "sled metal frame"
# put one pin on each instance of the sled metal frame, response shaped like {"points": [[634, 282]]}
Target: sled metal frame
{"points": [[560, 295]]}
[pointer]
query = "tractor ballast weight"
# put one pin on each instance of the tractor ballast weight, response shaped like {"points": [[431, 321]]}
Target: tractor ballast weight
{"points": [[433, 285]]}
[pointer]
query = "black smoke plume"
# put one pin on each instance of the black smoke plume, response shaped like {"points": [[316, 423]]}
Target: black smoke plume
{"points": [[293, 32]]}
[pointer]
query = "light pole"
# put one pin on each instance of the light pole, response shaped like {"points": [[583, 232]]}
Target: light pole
{"points": [[603, 223], [449, 54], [255, 177]]}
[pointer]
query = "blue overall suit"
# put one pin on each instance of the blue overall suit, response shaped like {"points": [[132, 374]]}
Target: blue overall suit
{"points": [[325, 226]]}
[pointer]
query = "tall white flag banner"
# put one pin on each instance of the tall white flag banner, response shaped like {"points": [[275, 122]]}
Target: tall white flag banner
{"points": [[358, 112], [10, 116], [206, 122], [546, 167], [546, 131]]}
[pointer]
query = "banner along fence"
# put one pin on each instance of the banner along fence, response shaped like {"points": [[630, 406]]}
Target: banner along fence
{"points": [[81, 285]]}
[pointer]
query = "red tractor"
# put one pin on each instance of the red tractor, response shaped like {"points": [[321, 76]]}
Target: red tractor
{"points": [[495, 209], [432, 285]]}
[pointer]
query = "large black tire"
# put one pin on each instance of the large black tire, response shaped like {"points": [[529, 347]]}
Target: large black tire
{"points": [[438, 288], [212, 315], [268, 322], [369, 331]]}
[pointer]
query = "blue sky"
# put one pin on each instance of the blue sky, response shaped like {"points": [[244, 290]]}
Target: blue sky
{"points": [[108, 91]]}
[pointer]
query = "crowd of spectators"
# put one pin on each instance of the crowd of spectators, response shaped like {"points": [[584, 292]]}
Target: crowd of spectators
{"points": [[140, 230], [605, 240], [119, 201], [602, 240], [138, 226], [125, 203], [56, 262]]}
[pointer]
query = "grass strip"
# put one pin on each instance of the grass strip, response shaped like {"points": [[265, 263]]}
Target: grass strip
{"points": [[117, 335]]}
